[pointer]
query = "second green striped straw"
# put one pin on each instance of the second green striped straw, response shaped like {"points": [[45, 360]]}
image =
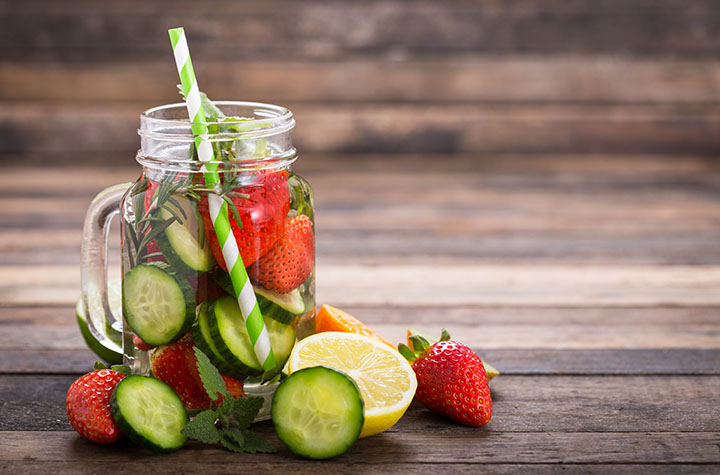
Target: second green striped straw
{"points": [[218, 207]]}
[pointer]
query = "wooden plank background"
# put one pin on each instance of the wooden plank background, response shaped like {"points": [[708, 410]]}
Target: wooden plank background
{"points": [[547, 168], [395, 76]]}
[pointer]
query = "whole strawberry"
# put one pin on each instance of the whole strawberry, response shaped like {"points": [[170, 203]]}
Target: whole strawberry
{"points": [[451, 379], [262, 206], [176, 365], [88, 406], [290, 261]]}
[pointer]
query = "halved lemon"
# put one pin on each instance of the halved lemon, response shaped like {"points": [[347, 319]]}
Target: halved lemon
{"points": [[386, 380]]}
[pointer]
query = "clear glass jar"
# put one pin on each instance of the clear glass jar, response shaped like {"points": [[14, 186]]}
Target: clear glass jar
{"points": [[175, 284]]}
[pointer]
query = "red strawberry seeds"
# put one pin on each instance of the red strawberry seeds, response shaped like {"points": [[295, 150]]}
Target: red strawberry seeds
{"points": [[176, 365], [262, 207], [88, 406], [290, 261], [452, 381]]}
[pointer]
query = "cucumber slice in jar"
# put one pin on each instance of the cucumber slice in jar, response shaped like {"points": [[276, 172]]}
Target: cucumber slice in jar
{"points": [[158, 304], [203, 340], [150, 413], [183, 243], [281, 307], [230, 337], [318, 412]]}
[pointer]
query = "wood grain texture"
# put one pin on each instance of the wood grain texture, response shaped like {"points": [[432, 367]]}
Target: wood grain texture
{"points": [[594, 348], [322, 30], [600, 404], [515, 361], [306, 467], [476, 78], [452, 285], [39, 127], [538, 448]]}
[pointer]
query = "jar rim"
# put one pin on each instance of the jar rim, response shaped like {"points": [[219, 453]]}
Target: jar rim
{"points": [[169, 122]]}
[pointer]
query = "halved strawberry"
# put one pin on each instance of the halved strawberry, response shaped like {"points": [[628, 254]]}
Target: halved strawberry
{"points": [[290, 261], [176, 365], [262, 205]]}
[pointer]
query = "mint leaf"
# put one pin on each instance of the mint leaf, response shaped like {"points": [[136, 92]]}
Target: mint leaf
{"points": [[245, 410], [211, 379], [254, 444], [202, 428], [236, 435], [121, 368], [231, 444]]}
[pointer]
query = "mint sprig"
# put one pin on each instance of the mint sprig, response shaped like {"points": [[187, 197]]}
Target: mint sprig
{"points": [[229, 423]]}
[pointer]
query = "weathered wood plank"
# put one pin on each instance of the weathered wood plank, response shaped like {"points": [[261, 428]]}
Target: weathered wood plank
{"points": [[514, 284], [308, 467], [159, 465], [479, 335], [611, 404], [356, 128], [516, 361], [81, 175], [395, 29], [422, 316], [383, 248], [464, 79], [481, 448]]}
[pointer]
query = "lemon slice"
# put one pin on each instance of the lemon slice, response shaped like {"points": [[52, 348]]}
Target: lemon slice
{"points": [[386, 380]]}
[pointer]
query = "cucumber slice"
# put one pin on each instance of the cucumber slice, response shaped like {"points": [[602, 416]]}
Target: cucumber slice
{"points": [[281, 307], [318, 412], [111, 350], [184, 244], [150, 413], [110, 347], [158, 304], [203, 340], [228, 333]]}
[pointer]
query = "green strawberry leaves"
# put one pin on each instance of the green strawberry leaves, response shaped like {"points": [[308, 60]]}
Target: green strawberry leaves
{"points": [[229, 423], [420, 343]]}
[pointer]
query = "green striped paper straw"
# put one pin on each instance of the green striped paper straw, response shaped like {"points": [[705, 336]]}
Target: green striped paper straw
{"points": [[218, 207]]}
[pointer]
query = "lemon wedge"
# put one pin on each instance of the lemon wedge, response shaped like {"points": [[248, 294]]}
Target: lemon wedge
{"points": [[386, 380]]}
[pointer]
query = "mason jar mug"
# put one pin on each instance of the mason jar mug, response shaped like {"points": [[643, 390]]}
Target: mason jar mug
{"points": [[176, 289]]}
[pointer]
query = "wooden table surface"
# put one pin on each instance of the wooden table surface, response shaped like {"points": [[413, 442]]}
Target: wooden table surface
{"points": [[592, 282]]}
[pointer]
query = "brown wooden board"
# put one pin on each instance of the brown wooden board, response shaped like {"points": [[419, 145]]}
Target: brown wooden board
{"points": [[110, 127], [464, 79], [84, 29], [543, 404]]}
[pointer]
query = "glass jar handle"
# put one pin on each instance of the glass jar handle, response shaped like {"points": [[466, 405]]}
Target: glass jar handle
{"points": [[94, 260]]}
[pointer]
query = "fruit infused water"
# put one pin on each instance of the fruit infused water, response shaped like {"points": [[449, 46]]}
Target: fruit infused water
{"points": [[176, 285]]}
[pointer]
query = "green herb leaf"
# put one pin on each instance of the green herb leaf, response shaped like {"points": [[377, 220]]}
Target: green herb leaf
{"points": [[256, 444], [121, 368], [236, 435], [202, 428], [211, 379], [233, 208], [230, 444], [245, 410]]}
